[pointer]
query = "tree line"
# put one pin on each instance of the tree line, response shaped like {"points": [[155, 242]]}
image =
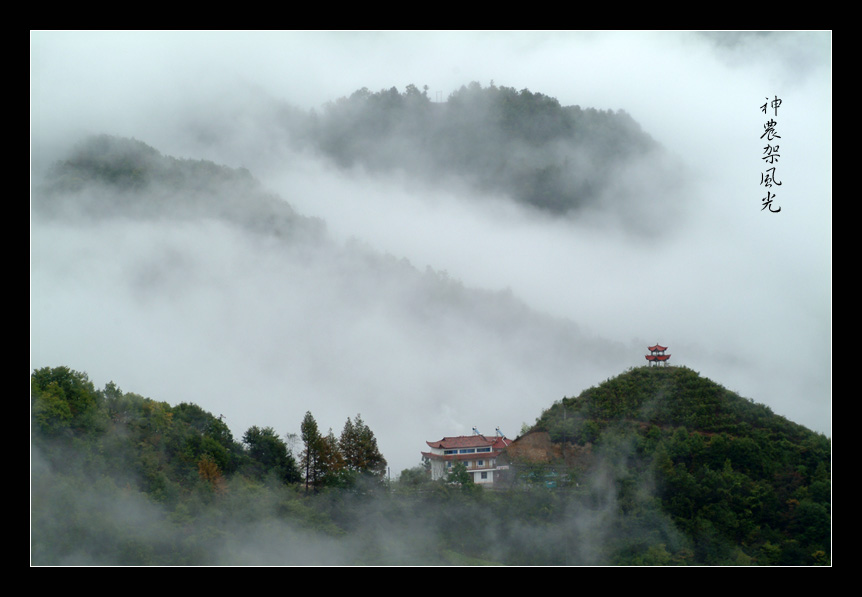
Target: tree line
{"points": [[175, 447], [328, 461]]}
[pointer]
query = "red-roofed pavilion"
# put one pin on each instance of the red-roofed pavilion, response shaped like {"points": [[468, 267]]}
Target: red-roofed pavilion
{"points": [[657, 357]]}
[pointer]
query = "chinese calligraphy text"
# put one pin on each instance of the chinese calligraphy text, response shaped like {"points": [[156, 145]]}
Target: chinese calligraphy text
{"points": [[770, 155]]}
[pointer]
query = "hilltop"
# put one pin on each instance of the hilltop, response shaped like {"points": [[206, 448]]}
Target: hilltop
{"points": [[667, 397], [741, 483]]}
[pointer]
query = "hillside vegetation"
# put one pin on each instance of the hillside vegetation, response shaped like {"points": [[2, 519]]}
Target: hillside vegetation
{"points": [[117, 478], [738, 480]]}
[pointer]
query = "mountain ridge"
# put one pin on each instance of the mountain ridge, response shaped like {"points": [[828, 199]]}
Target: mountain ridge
{"points": [[559, 160], [105, 176]]}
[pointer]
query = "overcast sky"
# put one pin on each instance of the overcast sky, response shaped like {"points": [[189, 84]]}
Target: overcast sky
{"points": [[200, 313]]}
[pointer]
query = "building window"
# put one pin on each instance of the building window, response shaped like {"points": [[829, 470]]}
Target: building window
{"points": [[484, 475], [480, 463]]}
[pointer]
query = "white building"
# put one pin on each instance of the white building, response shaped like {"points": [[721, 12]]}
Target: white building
{"points": [[477, 452]]}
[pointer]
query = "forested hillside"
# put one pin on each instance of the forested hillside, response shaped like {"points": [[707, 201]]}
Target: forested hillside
{"points": [[740, 482], [519, 144], [117, 478]]}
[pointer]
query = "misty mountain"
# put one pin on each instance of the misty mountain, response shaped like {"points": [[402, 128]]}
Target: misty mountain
{"points": [[105, 176], [518, 144], [743, 484]]}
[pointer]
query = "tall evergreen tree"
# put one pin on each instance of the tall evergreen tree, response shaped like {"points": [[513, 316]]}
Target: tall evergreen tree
{"points": [[311, 455], [332, 461], [359, 447]]}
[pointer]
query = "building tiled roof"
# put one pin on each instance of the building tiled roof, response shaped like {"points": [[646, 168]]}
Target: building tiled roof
{"points": [[464, 441], [461, 442], [501, 442], [657, 348]]}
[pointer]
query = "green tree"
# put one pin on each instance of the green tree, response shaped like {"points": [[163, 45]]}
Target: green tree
{"points": [[414, 477], [331, 462], [458, 474], [271, 453], [312, 453], [50, 410], [61, 398], [359, 447]]}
